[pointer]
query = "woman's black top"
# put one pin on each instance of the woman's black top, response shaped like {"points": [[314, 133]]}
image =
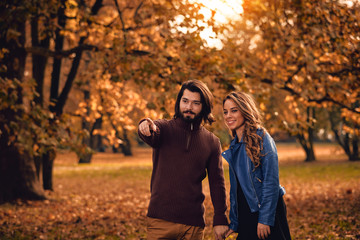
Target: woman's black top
{"points": [[248, 221]]}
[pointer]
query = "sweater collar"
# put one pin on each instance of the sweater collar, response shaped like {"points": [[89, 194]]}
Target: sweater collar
{"points": [[187, 125]]}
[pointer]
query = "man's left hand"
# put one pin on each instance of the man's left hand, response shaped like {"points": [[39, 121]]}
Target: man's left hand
{"points": [[220, 231]]}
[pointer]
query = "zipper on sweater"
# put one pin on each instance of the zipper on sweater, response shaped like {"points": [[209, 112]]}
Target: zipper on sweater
{"points": [[189, 137], [252, 183]]}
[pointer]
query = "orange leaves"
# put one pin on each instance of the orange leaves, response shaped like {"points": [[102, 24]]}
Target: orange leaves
{"points": [[109, 199]]}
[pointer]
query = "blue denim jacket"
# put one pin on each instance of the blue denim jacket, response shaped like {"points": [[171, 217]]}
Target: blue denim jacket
{"points": [[260, 186]]}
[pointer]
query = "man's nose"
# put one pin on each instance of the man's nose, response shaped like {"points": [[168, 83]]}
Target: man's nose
{"points": [[188, 106]]}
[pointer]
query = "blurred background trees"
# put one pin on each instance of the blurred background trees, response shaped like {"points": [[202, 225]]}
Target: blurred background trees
{"points": [[309, 53], [80, 74]]}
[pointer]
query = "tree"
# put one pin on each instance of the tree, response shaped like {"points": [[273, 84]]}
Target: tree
{"points": [[17, 170], [345, 133], [308, 49], [139, 41]]}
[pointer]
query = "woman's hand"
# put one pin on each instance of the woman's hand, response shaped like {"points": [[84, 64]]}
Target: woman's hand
{"points": [[229, 232], [263, 231]]}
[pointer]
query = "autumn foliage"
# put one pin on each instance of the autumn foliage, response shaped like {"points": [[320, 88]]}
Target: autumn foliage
{"points": [[78, 76]]}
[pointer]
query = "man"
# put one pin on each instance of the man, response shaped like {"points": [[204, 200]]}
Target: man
{"points": [[183, 153]]}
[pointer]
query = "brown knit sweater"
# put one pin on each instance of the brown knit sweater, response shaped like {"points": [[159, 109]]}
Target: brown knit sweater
{"points": [[183, 153]]}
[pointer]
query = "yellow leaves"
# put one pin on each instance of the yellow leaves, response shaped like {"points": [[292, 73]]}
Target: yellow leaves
{"points": [[289, 98], [93, 105], [3, 51], [334, 79], [351, 131], [352, 120], [273, 60], [299, 79], [333, 58], [262, 106], [97, 115], [71, 8], [268, 116], [35, 147], [82, 104]]}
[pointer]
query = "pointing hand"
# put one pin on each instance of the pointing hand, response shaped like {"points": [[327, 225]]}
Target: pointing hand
{"points": [[147, 126]]}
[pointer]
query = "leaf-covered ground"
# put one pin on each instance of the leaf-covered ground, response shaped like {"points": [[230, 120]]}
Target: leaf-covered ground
{"points": [[108, 198]]}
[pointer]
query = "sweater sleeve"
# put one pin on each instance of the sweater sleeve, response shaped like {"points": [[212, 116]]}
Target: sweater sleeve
{"points": [[154, 139], [217, 186]]}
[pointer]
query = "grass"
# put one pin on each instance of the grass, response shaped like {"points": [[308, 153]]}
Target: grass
{"points": [[108, 198], [344, 171]]}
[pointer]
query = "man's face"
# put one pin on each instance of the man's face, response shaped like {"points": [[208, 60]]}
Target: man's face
{"points": [[190, 105]]}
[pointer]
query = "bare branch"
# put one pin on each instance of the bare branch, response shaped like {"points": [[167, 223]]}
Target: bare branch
{"points": [[59, 54], [137, 9], [290, 78], [122, 22], [326, 98]]}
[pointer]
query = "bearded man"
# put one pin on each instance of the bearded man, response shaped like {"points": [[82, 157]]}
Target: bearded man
{"points": [[184, 153]]}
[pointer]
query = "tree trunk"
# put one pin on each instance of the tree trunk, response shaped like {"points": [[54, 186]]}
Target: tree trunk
{"points": [[38, 62], [348, 144], [355, 147], [308, 148], [93, 141], [18, 178], [86, 158], [126, 145], [307, 141], [48, 162], [310, 155], [59, 45]]}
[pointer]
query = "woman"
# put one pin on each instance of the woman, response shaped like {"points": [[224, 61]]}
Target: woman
{"points": [[257, 208]]}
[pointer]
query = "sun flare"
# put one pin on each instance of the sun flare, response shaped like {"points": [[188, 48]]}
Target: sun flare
{"points": [[225, 10]]}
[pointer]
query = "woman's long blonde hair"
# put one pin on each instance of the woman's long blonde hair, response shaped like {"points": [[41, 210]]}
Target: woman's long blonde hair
{"points": [[253, 121]]}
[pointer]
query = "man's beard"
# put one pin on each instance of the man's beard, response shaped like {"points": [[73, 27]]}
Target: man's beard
{"points": [[188, 118]]}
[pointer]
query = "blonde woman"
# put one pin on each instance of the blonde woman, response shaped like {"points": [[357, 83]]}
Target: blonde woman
{"points": [[257, 209]]}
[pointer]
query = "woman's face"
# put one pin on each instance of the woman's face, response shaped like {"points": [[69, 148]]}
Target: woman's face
{"points": [[232, 115]]}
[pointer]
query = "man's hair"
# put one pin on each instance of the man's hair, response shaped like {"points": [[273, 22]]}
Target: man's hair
{"points": [[206, 99]]}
